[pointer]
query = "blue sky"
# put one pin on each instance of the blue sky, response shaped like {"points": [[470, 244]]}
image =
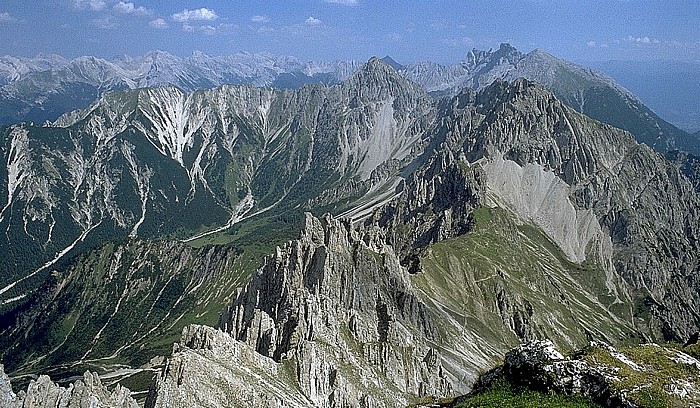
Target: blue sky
{"points": [[407, 30]]}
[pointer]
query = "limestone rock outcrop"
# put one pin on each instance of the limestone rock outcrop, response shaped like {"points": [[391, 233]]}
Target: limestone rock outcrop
{"points": [[631, 377], [209, 368], [44, 393], [341, 310]]}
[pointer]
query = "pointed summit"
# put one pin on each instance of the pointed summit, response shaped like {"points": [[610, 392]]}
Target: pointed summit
{"points": [[377, 80], [391, 62], [478, 59], [378, 72]]}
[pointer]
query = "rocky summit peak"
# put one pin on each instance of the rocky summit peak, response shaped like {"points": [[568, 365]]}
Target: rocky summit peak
{"points": [[377, 63], [520, 90], [379, 76], [478, 59], [506, 53], [390, 61]]}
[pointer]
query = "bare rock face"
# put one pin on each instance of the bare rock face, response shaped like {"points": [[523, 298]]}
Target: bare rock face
{"points": [[371, 312], [341, 310], [613, 378], [7, 396], [88, 392], [209, 368]]}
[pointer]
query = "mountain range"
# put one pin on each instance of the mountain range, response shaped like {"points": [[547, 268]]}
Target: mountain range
{"points": [[360, 241], [43, 88]]}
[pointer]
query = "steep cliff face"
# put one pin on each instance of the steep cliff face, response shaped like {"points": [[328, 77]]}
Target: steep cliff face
{"points": [[339, 307]]}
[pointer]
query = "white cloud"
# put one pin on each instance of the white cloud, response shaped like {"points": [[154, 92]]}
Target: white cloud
{"points": [[95, 5], [392, 37], [130, 8], [642, 40], [201, 14], [158, 23], [343, 2], [313, 21], [260, 19], [591, 43], [207, 29], [5, 17], [106, 23], [459, 42]]}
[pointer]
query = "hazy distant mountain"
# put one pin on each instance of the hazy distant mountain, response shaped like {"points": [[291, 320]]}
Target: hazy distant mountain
{"points": [[669, 88], [43, 88], [15, 68], [586, 90]]}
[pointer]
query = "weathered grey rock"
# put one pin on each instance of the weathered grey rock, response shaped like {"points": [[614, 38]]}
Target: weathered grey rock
{"points": [[209, 368], [44, 393], [343, 305], [7, 396], [629, 210], [539, 366], [341, 309], [601, 373]]}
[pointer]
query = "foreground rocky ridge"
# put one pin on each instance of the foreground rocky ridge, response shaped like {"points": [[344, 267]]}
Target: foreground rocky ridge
{"points": [[43, 393], [637, 376]]}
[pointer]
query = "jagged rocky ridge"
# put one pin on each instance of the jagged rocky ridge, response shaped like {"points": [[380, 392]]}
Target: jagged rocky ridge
{"points": [[43, 393], [584, 199], [43, 88]]}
